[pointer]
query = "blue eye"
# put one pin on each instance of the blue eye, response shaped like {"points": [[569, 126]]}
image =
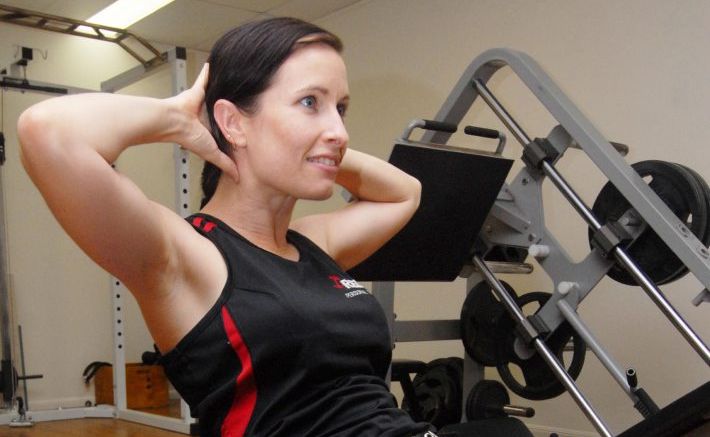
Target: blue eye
{"points": [[308, 102]]}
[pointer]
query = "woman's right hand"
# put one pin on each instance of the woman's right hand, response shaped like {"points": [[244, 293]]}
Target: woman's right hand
{"points": [[193, 133]]}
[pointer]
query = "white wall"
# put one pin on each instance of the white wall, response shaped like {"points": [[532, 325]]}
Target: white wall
{"points": [[637, 69]]}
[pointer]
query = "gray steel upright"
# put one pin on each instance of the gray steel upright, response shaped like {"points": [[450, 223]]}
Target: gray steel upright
{"points": [[178, 65], [5, 328]]}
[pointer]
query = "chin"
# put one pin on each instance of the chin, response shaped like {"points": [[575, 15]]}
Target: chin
{"points": [[323, 194]]}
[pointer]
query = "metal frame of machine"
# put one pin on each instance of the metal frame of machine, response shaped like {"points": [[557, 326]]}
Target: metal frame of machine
{"points": [[176, 60], [516, 220]]}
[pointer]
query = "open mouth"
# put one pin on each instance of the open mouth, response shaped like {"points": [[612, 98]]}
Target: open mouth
{"points": [[321, 160]]}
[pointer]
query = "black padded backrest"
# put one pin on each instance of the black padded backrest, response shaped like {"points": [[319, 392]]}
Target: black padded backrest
{"points": [[495, 427], [684, 416], [459, 187]]}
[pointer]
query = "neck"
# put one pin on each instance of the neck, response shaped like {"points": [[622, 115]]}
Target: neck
{"points": [[260, 217]]}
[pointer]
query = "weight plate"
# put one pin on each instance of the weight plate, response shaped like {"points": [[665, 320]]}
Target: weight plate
{"points": [[702, 216], [705, 237], [540, 382], [480, 315], [439, 391], [486, 400], [683, 195]]}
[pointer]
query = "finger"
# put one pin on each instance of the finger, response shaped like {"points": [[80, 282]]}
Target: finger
{"points": [[229, 167], [201, 81], [224, 163], [203, 117]]}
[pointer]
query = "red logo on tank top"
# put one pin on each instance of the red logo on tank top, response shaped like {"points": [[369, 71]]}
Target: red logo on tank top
{"points": [[205, 225], [336, 281], [354, 289]]}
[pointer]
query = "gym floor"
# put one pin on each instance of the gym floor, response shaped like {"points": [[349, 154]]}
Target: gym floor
{"points": [[97, 427], [87, 428]]}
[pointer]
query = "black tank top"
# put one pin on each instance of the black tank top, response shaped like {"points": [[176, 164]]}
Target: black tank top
{"points": [[290, 348]]}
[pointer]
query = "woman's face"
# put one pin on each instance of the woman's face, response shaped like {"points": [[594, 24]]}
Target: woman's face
{"points": [[297, 137]]}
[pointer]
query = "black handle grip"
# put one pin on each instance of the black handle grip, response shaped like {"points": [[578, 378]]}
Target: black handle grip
{"points": [[623, 149], [440, 126], [24, 377], [514, 410], [481, 132], [645, 404], [631, 377]]}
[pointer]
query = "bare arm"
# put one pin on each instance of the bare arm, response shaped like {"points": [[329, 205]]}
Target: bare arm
{"points": [[387, 200], [67, 147]]}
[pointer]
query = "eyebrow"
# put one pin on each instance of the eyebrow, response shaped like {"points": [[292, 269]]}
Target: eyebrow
{"points": [[321, 90]]}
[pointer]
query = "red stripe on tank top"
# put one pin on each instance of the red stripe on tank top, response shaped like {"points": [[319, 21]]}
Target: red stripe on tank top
{"points": [[235, 424]]}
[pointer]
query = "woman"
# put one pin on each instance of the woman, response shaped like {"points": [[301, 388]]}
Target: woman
{"points": [[264, 333]]}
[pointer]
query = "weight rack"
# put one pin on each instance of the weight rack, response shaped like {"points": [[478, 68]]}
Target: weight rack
{"points": [[174, 59], [516, 220]]}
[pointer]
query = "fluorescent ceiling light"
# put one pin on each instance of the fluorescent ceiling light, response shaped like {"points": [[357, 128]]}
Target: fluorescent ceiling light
{"points": [[123, 13]]}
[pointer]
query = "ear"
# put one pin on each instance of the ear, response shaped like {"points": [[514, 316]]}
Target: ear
{"points": [[230, 121]]}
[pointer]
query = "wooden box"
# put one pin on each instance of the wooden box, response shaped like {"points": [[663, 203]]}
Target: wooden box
{"points": [[146, 386]]}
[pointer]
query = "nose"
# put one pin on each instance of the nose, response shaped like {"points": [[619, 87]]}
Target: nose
{"points": [[335, 132]]}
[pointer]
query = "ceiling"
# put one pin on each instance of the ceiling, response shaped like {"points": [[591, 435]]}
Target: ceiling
{"points": [[194, 24]]}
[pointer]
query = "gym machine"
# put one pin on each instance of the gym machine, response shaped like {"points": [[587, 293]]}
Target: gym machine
{"points": [[640, 233], [151, 61]]}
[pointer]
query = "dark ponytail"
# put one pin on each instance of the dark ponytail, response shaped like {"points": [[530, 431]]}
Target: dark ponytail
{"points": [[242, 64]]}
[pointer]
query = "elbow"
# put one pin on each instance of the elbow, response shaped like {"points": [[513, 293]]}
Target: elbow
{"points": [[412, 199], [415, 193], [28, 128], [33, 127]]}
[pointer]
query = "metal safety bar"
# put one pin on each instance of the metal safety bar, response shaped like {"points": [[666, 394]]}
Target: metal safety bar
{"points": [[558, 369], [591, 341]]}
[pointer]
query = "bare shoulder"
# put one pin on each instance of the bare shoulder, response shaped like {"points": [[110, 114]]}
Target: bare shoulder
{"points": [[314, 228]]}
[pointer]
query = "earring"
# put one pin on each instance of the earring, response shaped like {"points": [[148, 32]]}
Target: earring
{"points": [[231, 141]]}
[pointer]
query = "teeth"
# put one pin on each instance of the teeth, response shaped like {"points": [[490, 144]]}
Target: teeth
{"points": [[324, 161]]}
